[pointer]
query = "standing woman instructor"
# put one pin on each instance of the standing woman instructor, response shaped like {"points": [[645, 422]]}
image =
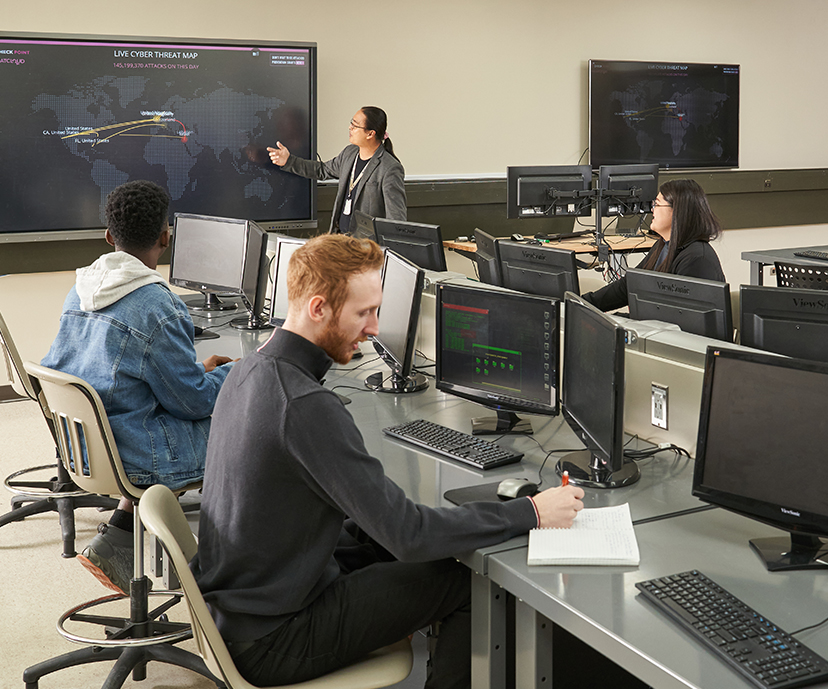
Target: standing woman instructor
{"points": [[371, 178]]}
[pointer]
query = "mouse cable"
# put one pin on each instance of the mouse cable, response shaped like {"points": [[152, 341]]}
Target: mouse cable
{"points": [[636, 455], [812, 626]]}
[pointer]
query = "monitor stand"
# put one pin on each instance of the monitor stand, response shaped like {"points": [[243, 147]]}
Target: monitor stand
{"points": [[396, 384], [799, 551], [252, 322], [209, 302], [585, 469], [504, 422]]}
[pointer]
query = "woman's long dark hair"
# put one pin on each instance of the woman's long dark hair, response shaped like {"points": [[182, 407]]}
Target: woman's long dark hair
{"points": [[693, 221], [377, 121]]}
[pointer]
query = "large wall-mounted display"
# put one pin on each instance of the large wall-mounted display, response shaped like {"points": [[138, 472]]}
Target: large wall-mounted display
{"points": [[679, 115], [81, 115]]}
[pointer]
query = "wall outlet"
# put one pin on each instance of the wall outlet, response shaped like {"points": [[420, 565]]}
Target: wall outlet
{"points": [[658, 412]]}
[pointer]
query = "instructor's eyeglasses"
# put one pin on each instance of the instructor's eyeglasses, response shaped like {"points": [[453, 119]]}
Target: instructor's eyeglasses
{"points": [[354, 125]]}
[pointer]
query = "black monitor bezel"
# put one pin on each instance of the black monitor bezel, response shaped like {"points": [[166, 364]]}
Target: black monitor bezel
{"points": [[516, 256], [388, 230], [794, 520], [164, 43], [652, 67], [401, 363], [777, 305], [515, 175], [615, 190], [487, 398], [487, 258], [648, 302], [613, 456]]}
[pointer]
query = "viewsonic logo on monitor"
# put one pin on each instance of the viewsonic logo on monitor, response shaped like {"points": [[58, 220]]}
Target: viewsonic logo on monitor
{"points": [[534, 255], [810, 303], [402, 228], [793, 513], [672, 287]]}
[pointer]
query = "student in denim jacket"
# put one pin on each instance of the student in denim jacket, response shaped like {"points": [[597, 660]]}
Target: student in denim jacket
{"points": [[124, 332]]}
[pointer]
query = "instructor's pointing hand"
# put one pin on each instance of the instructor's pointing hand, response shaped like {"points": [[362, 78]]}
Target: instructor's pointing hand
{"points": [[278, 155]]}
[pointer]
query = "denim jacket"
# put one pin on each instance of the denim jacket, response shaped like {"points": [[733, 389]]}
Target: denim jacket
{"points": [[124, 332]]}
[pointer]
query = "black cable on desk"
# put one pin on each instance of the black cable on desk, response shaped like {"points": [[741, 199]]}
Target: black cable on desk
{"points": [[670, 515]]}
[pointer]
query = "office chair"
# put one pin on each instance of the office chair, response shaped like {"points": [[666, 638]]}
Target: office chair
{"points": [[802, 277], [57, 493], [164, 518], [89, 454]]}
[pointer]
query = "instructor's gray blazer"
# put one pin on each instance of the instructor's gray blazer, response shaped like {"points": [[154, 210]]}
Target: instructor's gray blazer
{"points": [[380, 193]]}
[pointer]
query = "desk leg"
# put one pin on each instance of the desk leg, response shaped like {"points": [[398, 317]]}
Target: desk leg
{"points": [[488, 634], [533, 643], [757, 273]]}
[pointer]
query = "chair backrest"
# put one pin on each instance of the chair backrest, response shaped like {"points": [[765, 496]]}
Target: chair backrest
{"points": [[14, 364], [163, 517], [83, 432], [801, 277]]}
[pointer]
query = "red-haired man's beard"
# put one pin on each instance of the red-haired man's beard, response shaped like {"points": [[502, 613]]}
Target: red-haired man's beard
{"points": [[336, 344]]}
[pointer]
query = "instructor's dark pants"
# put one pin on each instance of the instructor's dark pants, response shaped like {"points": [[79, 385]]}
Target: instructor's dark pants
{"points": [[366, 609]]}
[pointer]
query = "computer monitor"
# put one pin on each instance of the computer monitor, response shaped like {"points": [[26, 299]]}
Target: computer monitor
{"points": [[793, 322], [537, 269], [761, 450], [221, 255], [362, 226], [693, 304], [285, 246], [402, 289], [488, 264], [499, 349], [421, 244], [627, 189], [593, 397], [546, 191]]}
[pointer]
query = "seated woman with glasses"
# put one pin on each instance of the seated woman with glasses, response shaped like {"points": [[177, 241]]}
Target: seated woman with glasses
{"points": [[685, 225], [370, 175]]}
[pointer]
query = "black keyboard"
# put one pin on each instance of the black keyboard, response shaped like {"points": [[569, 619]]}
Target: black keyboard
{"points": [[455, 445], [743, 638], [812, 253]]}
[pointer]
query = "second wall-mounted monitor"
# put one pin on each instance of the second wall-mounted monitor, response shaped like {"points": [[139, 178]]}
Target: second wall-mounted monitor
{"points": [[793, 322], [421, 244], [285, 246], [673, 114], [627, 189], [546, 191], [402, 289], [695, 305], [537, 269]]}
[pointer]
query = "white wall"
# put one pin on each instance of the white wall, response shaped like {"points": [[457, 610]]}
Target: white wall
{"points": [[475, 85]]}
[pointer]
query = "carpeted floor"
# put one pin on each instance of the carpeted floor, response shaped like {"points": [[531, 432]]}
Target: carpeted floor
{"points": [[37, 585]]}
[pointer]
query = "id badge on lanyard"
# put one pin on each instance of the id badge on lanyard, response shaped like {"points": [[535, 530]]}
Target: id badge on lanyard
{"points": [[346, 207]]}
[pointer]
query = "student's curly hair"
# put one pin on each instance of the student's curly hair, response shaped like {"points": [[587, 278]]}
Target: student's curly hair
{"points": [[136, 214]]}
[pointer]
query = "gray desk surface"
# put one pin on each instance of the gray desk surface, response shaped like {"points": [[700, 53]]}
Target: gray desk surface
{"points": [[600, 605], [597, 604], [759, 259]]}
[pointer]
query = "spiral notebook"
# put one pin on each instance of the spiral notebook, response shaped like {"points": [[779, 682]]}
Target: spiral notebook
{"points": [[599, 536]]}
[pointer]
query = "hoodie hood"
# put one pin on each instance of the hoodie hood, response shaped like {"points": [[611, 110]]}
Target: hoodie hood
{"points": [[110, 278]]}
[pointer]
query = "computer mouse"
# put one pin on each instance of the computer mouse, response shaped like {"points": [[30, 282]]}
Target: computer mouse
{"points": [[517, 237], [516, 488]]}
